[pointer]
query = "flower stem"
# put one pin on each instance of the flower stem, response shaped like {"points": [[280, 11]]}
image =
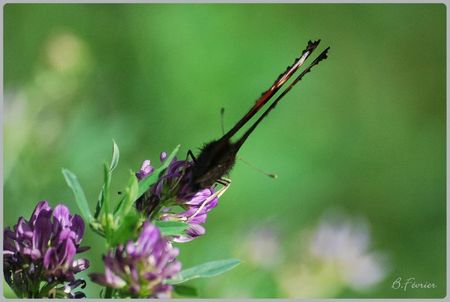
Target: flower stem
{"points": [[46, 289], [108, 293]]}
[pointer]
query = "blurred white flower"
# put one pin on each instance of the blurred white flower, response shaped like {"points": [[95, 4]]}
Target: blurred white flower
{"points": [[335, 255], [64, 51], [345, 244], [262, 247]]}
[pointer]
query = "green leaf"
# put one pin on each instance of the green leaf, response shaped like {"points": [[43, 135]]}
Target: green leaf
{"points": [[115, 157], [187, 291], [107, 180], [106, 218], [80, 198], [147, 182], [100, 202], [103, 203], [8, 292], [171, 228], [106, 204], [127, 229], [126, 203], [205, 270]]}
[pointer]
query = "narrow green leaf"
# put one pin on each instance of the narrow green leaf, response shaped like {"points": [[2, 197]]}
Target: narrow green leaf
{"points": [[187, 291], [119, 205], [100, 202], [107, 179], [171, 228], [107, 219], [115, 157], [147, 182], [106, 186], [80, 198], [126, 203], [205, 270], [132, 192]]}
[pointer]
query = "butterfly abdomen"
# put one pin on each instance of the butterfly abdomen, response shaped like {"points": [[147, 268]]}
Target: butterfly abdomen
{"points": [[215, 160]]}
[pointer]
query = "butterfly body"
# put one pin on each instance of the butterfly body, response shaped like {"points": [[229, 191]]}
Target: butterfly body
{"points": [[215, 160]]}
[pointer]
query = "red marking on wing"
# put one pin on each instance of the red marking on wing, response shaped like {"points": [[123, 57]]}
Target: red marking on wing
{"points": [[267, 95]]}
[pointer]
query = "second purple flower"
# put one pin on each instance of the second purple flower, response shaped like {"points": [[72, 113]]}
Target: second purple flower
{"points": [[140, 268]]}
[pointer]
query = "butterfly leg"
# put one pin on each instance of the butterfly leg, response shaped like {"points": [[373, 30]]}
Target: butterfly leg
{"points": [[186, 165], [224, 181], [191, 155], [216, 194]]}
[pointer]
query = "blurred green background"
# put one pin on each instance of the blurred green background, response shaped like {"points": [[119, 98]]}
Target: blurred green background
{"points": [[364, 133]]}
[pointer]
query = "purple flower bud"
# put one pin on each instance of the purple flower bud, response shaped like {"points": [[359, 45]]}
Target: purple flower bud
{"points": [[145, 170], [140, 268], [195, 230], [163, 156]]}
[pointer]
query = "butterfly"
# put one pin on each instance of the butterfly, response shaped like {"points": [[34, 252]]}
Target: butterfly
{"points": [[217, 157]]}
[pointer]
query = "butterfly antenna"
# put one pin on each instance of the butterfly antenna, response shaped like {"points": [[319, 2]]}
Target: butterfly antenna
{"points": [[222, 112], [267, 95], [271, 175], [316, 61]]}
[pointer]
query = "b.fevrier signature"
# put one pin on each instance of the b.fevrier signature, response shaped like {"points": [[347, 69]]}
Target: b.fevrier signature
{"points": [[411, 283]]}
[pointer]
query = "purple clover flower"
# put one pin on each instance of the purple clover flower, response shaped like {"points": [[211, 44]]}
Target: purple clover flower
{"points": [[173, 189], [195, 214], [145, 170], [139, 269], [43, 250]]}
